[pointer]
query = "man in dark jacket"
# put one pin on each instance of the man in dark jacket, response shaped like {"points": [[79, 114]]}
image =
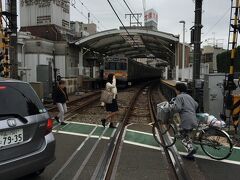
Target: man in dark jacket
{"points": [[60, 97]]}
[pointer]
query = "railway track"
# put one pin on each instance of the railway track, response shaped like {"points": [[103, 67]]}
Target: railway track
{"points": [[107, 166], [76, 105], [139, 111], [172, 153]]}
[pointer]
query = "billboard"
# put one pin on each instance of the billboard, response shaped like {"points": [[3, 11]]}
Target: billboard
{"points": [[151, 15]]}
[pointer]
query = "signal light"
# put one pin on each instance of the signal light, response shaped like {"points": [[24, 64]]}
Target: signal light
{"points": [[1, 65]]}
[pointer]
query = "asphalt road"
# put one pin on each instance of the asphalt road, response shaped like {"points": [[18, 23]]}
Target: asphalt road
{"points": [[65, 146], [217, 170]]}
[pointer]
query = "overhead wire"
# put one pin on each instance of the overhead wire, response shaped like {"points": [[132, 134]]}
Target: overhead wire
{"points": [[73, 4], [132, 12], [142, 26], [98, 21], [123, 7], [122, 23], [218, 21]]}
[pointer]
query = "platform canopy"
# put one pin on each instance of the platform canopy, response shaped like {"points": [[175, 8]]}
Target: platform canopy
{"points": [[137, 43]]}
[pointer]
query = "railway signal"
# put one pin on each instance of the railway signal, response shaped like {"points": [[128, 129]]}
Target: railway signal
{"points": [[4, 46], [1, 65]]}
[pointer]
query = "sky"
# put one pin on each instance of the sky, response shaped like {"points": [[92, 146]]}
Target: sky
{"points": [[215, 18]]}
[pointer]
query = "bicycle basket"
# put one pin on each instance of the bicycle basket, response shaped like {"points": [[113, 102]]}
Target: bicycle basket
{"points": [[163, 112]]}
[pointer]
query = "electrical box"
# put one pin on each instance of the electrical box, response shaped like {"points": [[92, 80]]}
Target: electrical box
{"points": [[213, 93]]}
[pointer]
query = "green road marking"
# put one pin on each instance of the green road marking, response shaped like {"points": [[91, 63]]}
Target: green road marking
{"points": [[99, 131], [140, 138], [109, 132], [84, 129], [78, 128], [135, 137], [235, 156]]}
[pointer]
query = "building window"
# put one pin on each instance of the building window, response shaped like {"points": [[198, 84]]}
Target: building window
{"points": [[85, 28]]}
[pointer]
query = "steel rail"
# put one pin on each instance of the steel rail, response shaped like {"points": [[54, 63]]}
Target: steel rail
{"points": [[173, 156], [105, 165], [76, 100]]}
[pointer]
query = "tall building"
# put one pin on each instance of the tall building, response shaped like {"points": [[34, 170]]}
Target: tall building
{"points": [[151, 19], [48, 19], [45, 12]]}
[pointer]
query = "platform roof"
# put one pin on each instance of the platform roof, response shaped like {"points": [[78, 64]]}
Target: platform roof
{"points": [[137, 43]]}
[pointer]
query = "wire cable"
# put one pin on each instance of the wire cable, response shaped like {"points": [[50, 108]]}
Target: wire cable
{"points": [[218, 21], [122, 23], [132, 12], [98, 21]]}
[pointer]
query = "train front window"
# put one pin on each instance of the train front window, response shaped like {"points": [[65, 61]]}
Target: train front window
{"points": [[121, 66], [116, 66], [112, 66]]}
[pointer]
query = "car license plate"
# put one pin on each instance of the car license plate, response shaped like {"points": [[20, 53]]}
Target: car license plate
{"points": [[11, 137]]}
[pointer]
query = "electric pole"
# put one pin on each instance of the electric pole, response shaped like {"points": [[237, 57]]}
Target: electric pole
{"points": [[11, 6], [197, 49]]}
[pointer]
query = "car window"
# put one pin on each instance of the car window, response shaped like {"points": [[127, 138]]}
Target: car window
{"points": [[19, 98]]}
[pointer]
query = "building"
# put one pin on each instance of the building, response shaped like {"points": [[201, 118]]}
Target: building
{"points": [[38, 13], [209, 56], [45, 42], [79, 29], [151, 19], [48, 19], [37, 57]]}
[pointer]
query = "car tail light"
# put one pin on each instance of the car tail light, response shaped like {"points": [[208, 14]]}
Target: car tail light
{"points": [[49, 126], [2, 88]]}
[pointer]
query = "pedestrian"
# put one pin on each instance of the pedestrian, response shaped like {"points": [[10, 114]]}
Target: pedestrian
{"points": [[186, 106], [111, 108], [60, 97]]}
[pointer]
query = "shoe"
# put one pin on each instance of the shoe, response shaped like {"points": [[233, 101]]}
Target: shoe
{"points": [[57, 119], [103, 122], [191, 153], [112, 126], [190, 158], [63, 123]]}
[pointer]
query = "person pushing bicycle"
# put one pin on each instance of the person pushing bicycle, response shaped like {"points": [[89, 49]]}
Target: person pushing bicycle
{"points": [[186, 106]]}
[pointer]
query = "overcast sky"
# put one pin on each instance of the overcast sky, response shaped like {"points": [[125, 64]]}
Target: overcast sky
{"points": [[215, 20]]}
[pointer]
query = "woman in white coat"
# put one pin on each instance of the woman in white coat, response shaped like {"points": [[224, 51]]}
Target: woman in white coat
{"points": [[111, 108]]}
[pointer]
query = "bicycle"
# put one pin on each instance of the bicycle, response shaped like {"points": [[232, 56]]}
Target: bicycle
{"points": [[214, 142]]}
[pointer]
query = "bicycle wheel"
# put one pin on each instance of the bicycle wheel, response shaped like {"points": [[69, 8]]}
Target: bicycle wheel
{"points": [[216, 143], [161, 134]]}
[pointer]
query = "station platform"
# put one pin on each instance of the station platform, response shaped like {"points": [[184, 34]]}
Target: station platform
{"points": [[169, 82]]}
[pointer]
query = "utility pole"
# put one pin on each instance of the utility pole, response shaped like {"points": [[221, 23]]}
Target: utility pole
{"points": [[197, 49], [136, 16], [183, 45], [11, 6], [89, 18]]}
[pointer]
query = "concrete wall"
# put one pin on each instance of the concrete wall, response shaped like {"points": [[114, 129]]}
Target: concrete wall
{"points": [[31, 62], [187, 73]]}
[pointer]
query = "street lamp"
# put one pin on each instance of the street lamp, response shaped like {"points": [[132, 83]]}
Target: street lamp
{"points": [[183, 48]]}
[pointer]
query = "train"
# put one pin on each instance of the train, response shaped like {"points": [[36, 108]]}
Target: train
{"points": [[128, 71]]}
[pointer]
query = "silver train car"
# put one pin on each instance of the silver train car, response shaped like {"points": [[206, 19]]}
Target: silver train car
{"points": [[128, 71]]}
